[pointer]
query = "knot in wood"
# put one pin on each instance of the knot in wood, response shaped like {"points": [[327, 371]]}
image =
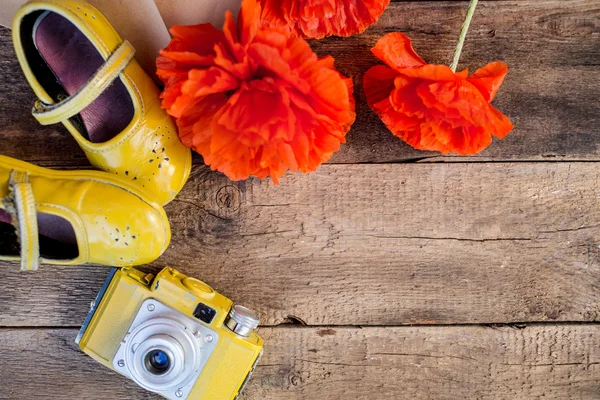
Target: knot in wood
{"points": [[228, 198], [295, 380]]}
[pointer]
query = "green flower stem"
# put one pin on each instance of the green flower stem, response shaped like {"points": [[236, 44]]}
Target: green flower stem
{"points": [[463, 34]]}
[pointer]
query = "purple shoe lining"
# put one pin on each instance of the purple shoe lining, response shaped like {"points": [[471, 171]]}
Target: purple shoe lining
{"points": [[74, 60], [56, 236]]}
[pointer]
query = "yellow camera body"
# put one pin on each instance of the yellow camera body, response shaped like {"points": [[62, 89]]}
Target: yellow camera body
{"points": [[172, 334]]}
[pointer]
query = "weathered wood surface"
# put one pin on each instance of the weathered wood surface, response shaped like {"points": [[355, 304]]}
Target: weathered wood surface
{"points": [[550, 93], [549, 361], [376, 245], [372, 245]]}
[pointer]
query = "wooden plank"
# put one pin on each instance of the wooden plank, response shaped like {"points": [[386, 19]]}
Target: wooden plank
{"points": [[551, 46], [549, 361], [371, 245], [552, 50]]}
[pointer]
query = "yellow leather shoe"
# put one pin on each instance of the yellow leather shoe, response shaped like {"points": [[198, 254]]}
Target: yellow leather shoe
{"points": [[76, 217], [85, 76]]}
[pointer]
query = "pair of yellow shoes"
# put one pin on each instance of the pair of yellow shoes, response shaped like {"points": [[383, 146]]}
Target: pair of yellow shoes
{"points": [[85, 76]]}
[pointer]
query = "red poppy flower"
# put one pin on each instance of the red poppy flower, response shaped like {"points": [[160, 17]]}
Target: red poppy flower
{"points": [[254, 100], [429, 106], [319, 18]]}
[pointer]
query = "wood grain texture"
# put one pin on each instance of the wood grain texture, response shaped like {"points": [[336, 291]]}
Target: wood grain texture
{"points": [[371, 245], [375, 245], [550, 362], [550, 93]]}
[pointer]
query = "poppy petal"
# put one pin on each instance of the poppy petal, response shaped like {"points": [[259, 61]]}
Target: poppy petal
{"points": [[378, 83], [500, 124], [183, 38], [171, 60], [489, 79], [202, 82], [395, 49], [249, 20], [430, 72], [193, 125]]}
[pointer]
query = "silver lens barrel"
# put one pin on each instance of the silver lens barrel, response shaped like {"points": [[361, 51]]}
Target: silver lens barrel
{"points": [[173, 339], [176, 359]]}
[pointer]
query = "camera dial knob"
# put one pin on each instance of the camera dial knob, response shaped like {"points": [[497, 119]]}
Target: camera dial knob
{"points": [[242, 320]]}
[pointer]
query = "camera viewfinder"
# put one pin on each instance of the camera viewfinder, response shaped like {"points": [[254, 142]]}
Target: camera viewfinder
{"points": [[204, 313]]}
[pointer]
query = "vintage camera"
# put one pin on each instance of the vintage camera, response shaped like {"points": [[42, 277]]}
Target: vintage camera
{"points": [[172, 334]]}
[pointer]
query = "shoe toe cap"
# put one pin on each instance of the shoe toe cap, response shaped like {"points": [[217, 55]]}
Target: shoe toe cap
{"points": [[125, 229], [158, 163]]}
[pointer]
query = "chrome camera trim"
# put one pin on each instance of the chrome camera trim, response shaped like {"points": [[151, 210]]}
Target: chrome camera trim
{"points": [[157, 326]]}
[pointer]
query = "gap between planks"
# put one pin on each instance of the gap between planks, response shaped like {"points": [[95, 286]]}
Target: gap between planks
{"points": [[550, 361]]}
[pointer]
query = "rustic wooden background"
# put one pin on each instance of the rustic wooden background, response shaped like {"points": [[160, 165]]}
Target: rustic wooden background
{"points": [[390, 273]]}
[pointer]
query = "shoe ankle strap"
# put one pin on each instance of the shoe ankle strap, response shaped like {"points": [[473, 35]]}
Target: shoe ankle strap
{"points": [[21, 205], [48, 114]]}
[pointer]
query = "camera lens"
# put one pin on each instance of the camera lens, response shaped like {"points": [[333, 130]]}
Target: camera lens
{"points": [[161, 354], [157, 362]]}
